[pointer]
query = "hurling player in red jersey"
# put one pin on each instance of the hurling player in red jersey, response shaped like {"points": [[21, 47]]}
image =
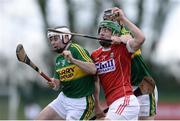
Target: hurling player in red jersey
{"points": [[113, 63]]}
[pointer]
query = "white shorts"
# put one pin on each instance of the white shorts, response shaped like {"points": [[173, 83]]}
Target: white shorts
{"points": [[148, 103], [73, 108], [125, 108]]}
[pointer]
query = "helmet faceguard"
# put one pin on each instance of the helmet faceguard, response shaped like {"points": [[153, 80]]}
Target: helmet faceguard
{"points": [[62, 29], [61, 36], [109, 15]]}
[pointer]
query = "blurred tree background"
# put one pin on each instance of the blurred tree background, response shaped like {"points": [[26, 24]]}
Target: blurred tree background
{"points": [[19, 85]]}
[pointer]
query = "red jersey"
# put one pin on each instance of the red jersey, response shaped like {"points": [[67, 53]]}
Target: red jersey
{"points": [[114, 71]]}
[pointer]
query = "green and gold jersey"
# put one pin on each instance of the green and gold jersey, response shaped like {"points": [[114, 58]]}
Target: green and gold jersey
{"points": [[75, 82], [138, 68], [124, 30]]}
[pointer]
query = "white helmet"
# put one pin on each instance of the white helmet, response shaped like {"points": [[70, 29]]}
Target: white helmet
{"points": [[62, 29]]}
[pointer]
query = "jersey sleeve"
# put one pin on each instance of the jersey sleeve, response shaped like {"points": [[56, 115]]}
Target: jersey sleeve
{"points": [[56, 75], [81, 53], [138, 52], [94, 55]]}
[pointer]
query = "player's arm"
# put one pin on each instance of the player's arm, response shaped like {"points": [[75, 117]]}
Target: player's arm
{"points": [[138, 36], [88, 66], [98, 109], [55, 83]]}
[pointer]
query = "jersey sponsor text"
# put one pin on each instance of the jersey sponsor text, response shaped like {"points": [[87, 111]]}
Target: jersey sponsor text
{"points": [[106, 66]]}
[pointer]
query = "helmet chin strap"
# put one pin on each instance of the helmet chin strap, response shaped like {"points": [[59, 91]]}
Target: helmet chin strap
{"points": [[63, 40]]}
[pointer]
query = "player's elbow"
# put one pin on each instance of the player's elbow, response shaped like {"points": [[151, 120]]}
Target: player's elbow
{"points": [[141, 39], [94, 70], [137, 43], [90, 69]]}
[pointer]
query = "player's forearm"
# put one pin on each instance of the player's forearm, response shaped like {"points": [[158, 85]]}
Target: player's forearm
{"points": [[97, 107], [96, 92], [88, 67], [139, 38]]}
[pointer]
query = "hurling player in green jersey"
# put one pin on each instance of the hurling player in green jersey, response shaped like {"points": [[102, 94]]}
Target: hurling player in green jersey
{"points": [[74, 71], [148, 101]]}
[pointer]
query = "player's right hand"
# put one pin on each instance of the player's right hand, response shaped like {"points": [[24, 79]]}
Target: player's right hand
{"points": [[54, 84], [121, 39], [119, 12]]}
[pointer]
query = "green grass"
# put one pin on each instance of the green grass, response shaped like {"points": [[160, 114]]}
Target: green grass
{"points": [[44, 98], [169, 98], [3, 108]]}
